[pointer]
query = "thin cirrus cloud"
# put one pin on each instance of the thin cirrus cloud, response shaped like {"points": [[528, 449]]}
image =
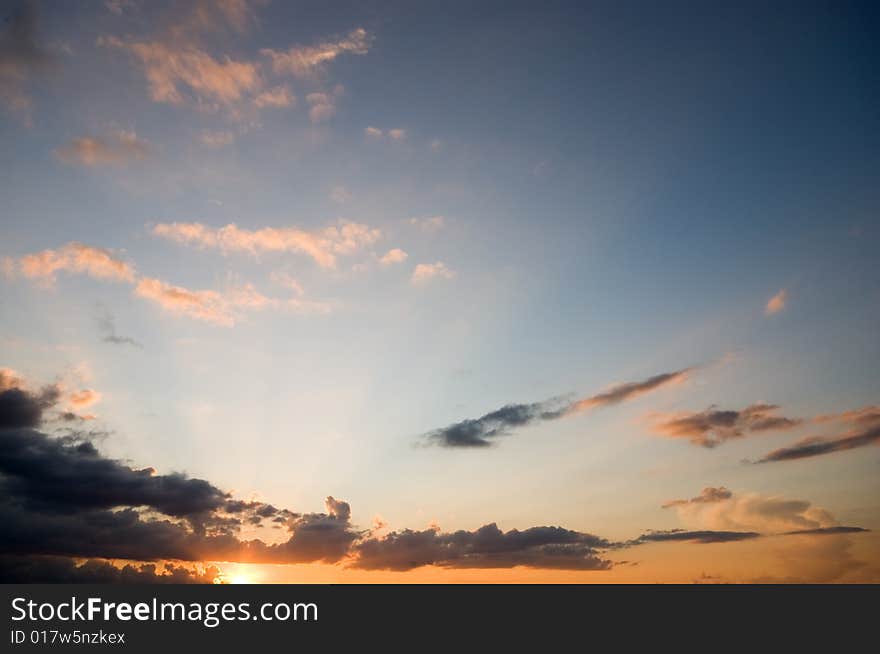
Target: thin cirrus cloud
{"points": [[863, 429], [216, 138], [482, 431], [113, 149], [323, 245], [714, 426], [220, 308], [307, 61]]}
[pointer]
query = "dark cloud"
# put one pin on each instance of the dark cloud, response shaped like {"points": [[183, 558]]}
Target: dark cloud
{"points": [[708, 495], [486, 547], [713, 426], [21, 54], [865, 430], [702, 536], [53, 570], [20, 408], [480, 432], [828, 531], [107, 328]]}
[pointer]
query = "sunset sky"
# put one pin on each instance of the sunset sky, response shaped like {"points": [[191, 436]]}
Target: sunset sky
{"points": [[445, 292]]}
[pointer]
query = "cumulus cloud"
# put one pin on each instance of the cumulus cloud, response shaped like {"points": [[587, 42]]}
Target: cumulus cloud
{"points": [[114, 149], [323, 245], [60, 570], [862, 428], [425, 272], [486, 547], [713, 426], [480, 432], [309, 61], [395, 255], [72, 258], [776, 303]]}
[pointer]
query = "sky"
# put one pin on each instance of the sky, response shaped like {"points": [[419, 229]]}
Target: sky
{"points": [[439, 292]]}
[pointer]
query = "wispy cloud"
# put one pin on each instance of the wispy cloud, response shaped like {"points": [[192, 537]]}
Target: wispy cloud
{"points": [[113, 149], [323, 245], [713, 426], [72, 258], [107, 328], [309, 61], [480, 432], [216, 138], [864, 430], [707, 495]]}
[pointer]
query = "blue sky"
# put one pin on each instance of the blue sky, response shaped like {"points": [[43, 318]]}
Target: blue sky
{"points": [[614, 190]]}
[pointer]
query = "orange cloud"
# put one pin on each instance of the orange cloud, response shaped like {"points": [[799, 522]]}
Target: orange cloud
{"points": [[393, 256], [306, 61], [84, 398], [111, 150], [425, 272], [629, 391], [203, 305], [175, 74], [279, 96], [776, 303], [75, 258], [323, 245]]}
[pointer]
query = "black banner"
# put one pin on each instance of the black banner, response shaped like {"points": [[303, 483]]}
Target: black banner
{"points": [[232, 618]]}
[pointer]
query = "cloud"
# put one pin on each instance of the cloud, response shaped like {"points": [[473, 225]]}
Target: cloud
{"points": [[486, 547], [631, 390], [276, 97], [216, 138], [707, 495], [21, 408], [713, 427], [84, 398], [60, 570], [107, 328], [204, 305], [429, 223], [21, 57], [340, 194], [73, 258], [394, 134], [187, 74], [776, 303], [479, 432], [703, 537], [864, 430], [115, 149], [309, 61], [425, 272], [395, 255], [322, 107], [323, 245]]}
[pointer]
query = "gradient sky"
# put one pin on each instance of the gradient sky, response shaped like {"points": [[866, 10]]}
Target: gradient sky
{"points": [[530, 201]]}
